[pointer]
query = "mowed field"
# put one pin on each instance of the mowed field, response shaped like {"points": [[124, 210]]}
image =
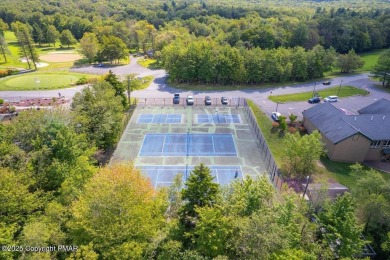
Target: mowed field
{"points": [[40, 80], [53, 68]]}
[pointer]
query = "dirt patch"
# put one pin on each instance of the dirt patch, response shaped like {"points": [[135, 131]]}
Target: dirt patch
{"points": [[60, 57]]}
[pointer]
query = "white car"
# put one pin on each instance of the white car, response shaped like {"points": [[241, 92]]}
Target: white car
{"points": [[190, 100], [331, 99], [275, 116]]}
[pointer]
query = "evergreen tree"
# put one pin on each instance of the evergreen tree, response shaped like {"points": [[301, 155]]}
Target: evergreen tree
{"points": [[117, 85], [200, 192], [382, 68]]}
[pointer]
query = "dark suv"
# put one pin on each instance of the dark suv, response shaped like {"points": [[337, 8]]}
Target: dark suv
{"points": [[176, 98], [207, 100], [314, 100], [224, 100]]}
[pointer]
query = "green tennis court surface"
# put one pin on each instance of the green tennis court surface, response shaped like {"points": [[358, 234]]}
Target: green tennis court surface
{"points": [[165, 140]]}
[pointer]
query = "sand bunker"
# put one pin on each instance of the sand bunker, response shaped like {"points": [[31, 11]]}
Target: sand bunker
{"points": [[39, 64], [60, 57]]}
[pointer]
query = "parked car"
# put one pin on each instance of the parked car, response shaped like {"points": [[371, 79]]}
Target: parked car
{"points": [[326, 82], [207, 100], [314, 100], [331, 99], [224, 100], [176, 98], [275, 116], [190, 100]]}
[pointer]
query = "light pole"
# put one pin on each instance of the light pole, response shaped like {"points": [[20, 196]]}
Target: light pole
{"points": [[314, 89], [338, 92], [307, 184], [128, 90], [277, 104]]}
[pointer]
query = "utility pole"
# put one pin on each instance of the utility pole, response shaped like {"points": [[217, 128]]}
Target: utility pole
{"points": [[314, 90], [277, 104], [338, 92], [128, 90]]}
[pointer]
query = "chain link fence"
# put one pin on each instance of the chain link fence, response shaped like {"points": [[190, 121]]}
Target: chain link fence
{"points": [[270, 164]]}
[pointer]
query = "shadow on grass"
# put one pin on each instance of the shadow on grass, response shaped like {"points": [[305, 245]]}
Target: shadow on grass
{"points": [[281, 134]]}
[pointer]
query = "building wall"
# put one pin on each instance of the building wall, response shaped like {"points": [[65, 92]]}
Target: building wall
{"points": [[373, 154], [352, 149]]}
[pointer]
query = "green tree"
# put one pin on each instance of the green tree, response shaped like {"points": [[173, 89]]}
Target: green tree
{"points": [[16, 204], [248, 196], [117, 85], [373, 210], [26, 43], [52, 145], [52, 35], [66, 38], [4, 48], [212, 231], [382, 68], [112, 48], [200, 192], [301, 153], [349, 62], [339, 227], [89, 46], [99, 114], [119, 213], [7, 233]]}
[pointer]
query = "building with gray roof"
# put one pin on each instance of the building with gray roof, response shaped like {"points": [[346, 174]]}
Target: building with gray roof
{"points": [[352, 138]]}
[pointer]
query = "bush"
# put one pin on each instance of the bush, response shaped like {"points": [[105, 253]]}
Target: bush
{"points": [[82, 81], [1, 101], [292, 130], [302, 129], [5, 73], [275, 124]]}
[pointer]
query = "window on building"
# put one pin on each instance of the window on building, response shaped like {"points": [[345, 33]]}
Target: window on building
{"points": [[386, 144], [375, 144]]}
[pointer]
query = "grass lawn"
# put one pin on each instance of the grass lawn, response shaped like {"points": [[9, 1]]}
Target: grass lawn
{"points": [[345, 91], [370, 59], [338, 171], [146, 82], [148, 63], [38, 80]]}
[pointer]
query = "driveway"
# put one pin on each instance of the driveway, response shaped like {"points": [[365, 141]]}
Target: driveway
{"points": [[160, 89]]}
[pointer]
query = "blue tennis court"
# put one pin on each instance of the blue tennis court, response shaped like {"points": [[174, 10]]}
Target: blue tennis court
{"points": [[219, 119], [161, 176], [159, 119], [188, 145]]}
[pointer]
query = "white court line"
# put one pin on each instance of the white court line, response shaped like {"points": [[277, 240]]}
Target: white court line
{"points": [[216, 175], [212, 138], [158, 171], [162, 150]]}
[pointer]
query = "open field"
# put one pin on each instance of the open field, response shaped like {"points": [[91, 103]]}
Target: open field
{"points": [[345, 91], [370, 59], [37, 80]]}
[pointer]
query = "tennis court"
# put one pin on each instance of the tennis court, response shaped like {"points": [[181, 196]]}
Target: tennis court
{"points": [[163, 175], [219, 119], [188, 145], [159, 119]]}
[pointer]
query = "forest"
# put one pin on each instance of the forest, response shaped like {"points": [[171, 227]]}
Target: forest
{"points": [[54, 189]]}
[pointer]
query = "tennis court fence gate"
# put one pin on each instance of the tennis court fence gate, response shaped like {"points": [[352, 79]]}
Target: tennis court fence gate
{"points": [[265, 152]]}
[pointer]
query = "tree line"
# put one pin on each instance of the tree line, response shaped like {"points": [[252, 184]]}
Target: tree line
{"points": [[205, 61], [264, 24]]}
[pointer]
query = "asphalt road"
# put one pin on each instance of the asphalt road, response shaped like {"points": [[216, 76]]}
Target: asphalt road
{"points": [[160, 89]]}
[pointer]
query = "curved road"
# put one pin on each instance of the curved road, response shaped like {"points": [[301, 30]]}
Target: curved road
{"points": [[159, 89]]}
